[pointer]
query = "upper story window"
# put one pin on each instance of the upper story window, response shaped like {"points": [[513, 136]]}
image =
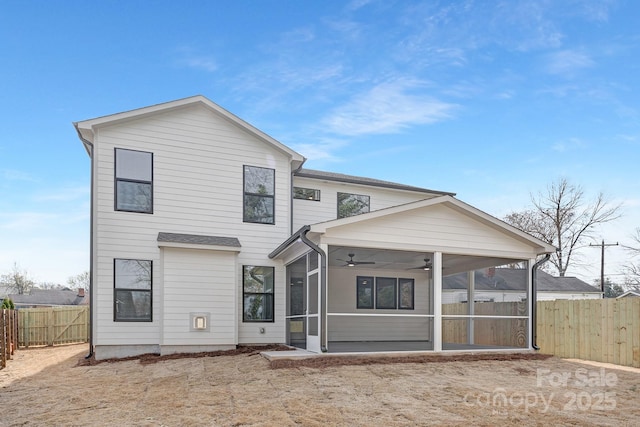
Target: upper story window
{"points": [[259, 192], [306, 194], [134, 181], [352, 204], [132, 290]]}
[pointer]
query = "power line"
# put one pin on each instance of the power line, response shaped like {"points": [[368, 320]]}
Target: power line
{"points": [[602, 246]]}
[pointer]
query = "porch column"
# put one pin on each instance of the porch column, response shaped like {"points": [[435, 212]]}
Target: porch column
{"points": [[471, 297], [437, 301], [532, 304], [324, 298]]}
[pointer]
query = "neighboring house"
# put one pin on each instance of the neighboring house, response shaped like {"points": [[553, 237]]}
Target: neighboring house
{"points": [[630, 293], [50, 298], [206, 233], [508, 285]]}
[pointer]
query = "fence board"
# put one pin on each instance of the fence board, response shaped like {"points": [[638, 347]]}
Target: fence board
{"points": [[53, 326], [604, 330]]}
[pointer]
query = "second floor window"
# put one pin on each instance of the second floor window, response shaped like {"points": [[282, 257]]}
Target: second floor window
{"points": [[134, 181], [352, 204], [306, 194], [259, 195]]}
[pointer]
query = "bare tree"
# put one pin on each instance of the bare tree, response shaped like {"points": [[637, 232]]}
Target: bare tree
{"points": [[562, 217], [632, 270], [79, 281], [17, 281]]}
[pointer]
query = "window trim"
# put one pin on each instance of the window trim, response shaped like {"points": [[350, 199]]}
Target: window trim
{"points": [[351, 194], [245, 194], [272, 293], [116, 179], [150, 291], [314, 198]]}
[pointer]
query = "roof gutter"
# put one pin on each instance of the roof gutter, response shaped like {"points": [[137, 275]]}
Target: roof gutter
{"points": [[301, 235], [534, 299], [88, 145]]}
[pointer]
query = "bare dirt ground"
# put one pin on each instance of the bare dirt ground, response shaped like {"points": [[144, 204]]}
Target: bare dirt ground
{"points": [[55, 386]]}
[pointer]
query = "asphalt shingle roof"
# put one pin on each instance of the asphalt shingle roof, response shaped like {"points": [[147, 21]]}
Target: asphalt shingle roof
{"points": [[339, 177], [514, 279], [198, 239]]}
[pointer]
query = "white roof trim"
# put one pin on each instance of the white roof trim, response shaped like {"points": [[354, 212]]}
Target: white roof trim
{"points": [[449, 201], [86, 127]]}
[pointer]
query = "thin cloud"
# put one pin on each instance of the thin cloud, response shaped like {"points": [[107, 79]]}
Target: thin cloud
{"points": [[388, 108], [26, 221], [189, 58], [567, 62], [322, 150], [568, 145], [16, 175], [64, 195]]}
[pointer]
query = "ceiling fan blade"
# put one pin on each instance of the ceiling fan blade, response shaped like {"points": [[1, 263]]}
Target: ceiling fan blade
{"points": [[363, 262]]}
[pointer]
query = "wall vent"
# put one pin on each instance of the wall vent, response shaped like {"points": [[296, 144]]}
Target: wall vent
{"points": [[199, 322]]}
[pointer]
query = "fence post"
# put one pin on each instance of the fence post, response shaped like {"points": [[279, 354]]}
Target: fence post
{"points": [[3, 343]]}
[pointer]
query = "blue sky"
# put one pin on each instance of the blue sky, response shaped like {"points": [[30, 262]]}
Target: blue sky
{"points": [[489, 99]]}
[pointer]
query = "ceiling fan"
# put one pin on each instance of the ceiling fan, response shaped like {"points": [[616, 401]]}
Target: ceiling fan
{"points": [[351, 263], [427, 265]]}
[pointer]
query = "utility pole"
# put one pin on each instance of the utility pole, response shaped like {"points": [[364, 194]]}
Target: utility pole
{"points": [[602, 246]]}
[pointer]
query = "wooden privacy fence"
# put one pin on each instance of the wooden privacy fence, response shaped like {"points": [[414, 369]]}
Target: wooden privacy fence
{"points": [[8, 335], [53, 325], [487, 331], [602, 330]]}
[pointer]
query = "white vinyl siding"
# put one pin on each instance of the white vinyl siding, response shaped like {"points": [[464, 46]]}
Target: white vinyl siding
{"points": [[307, 212], [198, 160], [342, 299], [435, 227], [199, 281]]}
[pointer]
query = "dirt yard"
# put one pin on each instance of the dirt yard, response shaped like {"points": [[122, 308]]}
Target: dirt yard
{"points": [[51, 386]]}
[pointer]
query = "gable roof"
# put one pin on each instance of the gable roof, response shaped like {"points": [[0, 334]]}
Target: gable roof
{"points": [[351, 179], [513, 279], [629, 293], [86, 128], [450, 202]]}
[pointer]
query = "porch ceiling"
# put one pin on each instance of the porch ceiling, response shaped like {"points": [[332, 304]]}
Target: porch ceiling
{"points": [[385, 259]]}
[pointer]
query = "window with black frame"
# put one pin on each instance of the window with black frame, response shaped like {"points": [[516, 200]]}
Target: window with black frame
{"points": [[133, 181], [306, 194], [258, 302], [259, 195], [352, 204], [132, 290], [364, 292], [406, 294], [386, 293]]}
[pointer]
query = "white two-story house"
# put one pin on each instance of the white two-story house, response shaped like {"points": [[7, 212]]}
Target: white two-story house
{"points": [[206, 233]]}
